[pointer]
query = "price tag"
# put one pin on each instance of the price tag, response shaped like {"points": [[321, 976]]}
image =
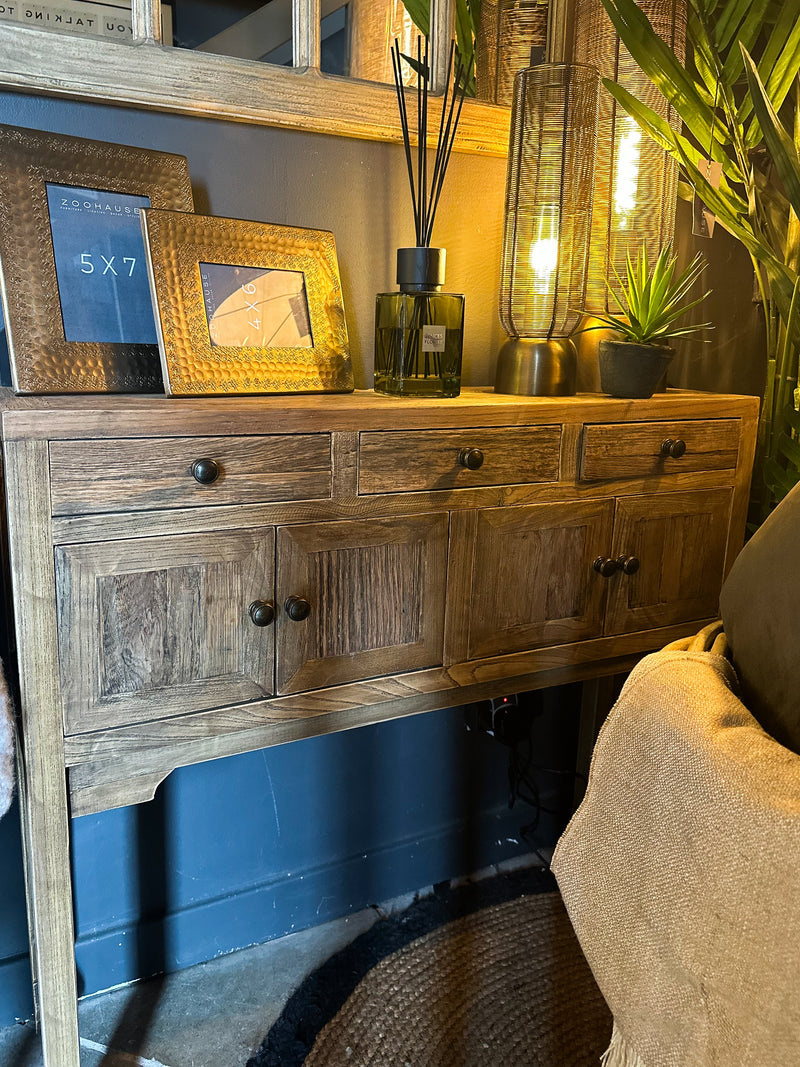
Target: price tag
{"points": [[703, 218]]}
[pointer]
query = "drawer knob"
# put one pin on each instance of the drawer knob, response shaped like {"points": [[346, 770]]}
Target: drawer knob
{"points": [[297, 608], [205, 471], [262, 612], [628, 564], [605, 566], [471, 458], [673, 448]]}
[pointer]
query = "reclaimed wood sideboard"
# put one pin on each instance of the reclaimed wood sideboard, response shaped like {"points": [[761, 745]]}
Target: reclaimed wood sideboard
{"points": [[196, 578]]}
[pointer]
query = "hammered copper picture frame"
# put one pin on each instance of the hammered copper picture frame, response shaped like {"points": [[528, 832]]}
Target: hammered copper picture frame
{"points": [[246, 307], [37, 172]]}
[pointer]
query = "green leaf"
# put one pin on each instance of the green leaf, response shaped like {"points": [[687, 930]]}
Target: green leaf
{"points": [[778, 55], [726, 22], [780, 145], [747, 34], [420, 12], [653, 299], [790, 449], [659, 63], [782, 73], [660, 131], [465, 34], [703, 56], [777, 82], [779, 480]]}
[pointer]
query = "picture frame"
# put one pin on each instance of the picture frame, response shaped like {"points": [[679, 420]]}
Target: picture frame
{"points": [[246, 307], [73, 278]]}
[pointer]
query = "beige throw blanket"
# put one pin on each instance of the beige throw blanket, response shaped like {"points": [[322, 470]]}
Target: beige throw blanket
{"points": [[6, 747], [681, 873]]}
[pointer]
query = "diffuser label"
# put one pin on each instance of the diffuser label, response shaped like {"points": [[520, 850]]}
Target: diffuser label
{"points": [[433, 338]]}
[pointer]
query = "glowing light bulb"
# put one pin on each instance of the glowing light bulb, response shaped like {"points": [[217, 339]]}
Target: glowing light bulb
{"points": [[626, 171], [543, 254]]}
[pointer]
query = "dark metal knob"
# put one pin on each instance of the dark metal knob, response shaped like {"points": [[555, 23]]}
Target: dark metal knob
{"points": [[205, 471], [471, 458], [262, 612], [628, 564], [605, 566], [297, 608], [673, 448]]}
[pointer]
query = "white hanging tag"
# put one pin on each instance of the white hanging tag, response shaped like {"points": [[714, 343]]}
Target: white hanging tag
{"points": [[703, 218]]}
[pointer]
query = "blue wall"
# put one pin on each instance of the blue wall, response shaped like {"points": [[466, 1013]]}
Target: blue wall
{"points": [[241, 850], [248, 848]]}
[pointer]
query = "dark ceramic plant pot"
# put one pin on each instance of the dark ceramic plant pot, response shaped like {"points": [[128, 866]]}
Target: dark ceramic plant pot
{"points": [[631, 370]]}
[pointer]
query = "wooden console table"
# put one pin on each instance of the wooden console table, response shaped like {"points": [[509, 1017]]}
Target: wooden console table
{"points": [[197, 578]]}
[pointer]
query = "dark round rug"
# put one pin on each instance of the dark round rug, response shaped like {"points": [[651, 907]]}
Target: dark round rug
{"points": [[486, 974]]}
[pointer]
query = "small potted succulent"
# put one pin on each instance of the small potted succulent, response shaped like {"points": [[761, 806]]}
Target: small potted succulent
{"points": [[650, 302]]}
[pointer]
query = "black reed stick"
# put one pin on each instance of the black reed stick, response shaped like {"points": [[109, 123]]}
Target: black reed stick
{"points": [[401, 103], [450, 136], [438, 158], [426, 187]]}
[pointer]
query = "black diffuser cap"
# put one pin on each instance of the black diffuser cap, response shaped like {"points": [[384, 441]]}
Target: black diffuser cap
{"points": [[420, 269]]}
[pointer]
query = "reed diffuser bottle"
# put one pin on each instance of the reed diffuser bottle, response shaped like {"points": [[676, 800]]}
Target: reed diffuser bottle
{"points": [[419, 330]]}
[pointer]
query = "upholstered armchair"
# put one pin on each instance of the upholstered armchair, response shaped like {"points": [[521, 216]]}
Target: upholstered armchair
{"points": [[681, 869]]}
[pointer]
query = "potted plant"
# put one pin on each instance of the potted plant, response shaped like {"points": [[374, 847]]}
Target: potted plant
{"points": [[651, 302], [730, 120]]}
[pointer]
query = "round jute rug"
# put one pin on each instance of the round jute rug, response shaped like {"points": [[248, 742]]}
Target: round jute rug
{"points": [[503, 986]]}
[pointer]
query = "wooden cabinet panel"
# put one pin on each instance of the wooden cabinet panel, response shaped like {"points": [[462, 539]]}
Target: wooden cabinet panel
{"points": [[376, 589], [98, 476], [533, 582], [429, 459], [679, 540], [632, 450], [160, 626]]}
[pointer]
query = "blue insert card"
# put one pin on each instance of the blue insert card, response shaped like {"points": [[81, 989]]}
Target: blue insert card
{"points": [[100, 265]]}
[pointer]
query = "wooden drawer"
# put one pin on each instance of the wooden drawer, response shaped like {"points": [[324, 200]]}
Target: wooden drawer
{"points": [[637, 449], [133, 473], [429, 459]]}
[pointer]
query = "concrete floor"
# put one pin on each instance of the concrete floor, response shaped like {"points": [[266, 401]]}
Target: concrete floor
{"points": [[212, 1015]]}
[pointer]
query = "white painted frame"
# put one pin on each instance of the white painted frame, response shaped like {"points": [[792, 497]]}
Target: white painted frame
{"points": [[148, 75]]}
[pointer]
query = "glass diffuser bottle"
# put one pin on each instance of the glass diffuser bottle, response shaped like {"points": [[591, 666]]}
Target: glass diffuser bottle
{"points": [[419, 330]]}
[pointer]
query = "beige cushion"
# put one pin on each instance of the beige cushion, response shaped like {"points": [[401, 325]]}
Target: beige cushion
{"points": [[760, 605]]}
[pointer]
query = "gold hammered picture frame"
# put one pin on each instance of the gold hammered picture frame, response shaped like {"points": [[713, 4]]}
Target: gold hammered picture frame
{"points": [[75, 292], [246, 307]]}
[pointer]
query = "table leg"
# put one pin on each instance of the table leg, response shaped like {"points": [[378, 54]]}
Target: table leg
{"points": [[45, 815], [49, 894]]}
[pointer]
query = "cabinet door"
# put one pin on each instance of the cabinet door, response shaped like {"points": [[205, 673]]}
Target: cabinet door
{"points": [[532, 576], [159, 626], [376, 590], [679, 540]]}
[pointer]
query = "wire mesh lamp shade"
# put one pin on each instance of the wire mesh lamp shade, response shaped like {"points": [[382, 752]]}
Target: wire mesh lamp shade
{"points": [[635, 180], [548, 215], [512, 35]]}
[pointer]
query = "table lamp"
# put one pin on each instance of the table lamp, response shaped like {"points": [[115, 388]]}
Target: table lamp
{"points": [[548, 215], [635, 186]]}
